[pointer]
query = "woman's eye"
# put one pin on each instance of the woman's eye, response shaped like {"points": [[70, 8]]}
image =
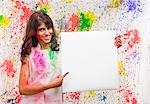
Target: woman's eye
{"points": [[48, 27], [42, 29]]}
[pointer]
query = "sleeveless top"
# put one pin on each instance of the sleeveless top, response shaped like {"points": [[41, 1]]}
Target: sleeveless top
{"points": [[44, 67]]}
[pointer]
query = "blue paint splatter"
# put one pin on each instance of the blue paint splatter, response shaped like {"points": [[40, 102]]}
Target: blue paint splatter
{"points": [[131, 5], [103, 98], [11, 101]]}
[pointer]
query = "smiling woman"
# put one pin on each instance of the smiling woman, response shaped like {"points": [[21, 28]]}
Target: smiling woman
{"points": [[40, 79], [44, 34]]}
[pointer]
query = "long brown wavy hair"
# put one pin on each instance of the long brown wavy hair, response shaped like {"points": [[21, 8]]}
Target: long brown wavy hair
{"points": [[30, 39]]}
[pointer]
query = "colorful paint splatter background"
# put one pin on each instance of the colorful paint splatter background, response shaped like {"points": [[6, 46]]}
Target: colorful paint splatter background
{"points": [[128, 17]]}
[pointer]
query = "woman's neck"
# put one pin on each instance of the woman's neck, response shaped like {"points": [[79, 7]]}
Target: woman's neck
{"points": [[44, 46]]}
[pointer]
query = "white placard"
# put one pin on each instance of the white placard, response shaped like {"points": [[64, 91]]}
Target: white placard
{"points": [[91, 60]]}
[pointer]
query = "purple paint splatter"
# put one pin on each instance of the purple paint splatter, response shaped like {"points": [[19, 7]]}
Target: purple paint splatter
{"points": [[39, 60]]}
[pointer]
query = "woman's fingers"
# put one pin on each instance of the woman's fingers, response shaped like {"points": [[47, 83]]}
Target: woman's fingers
{"points": [[65, 74], [62, 76]]}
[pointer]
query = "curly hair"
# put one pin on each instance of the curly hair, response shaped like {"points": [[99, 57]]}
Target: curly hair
{"points": [[30, 39]]}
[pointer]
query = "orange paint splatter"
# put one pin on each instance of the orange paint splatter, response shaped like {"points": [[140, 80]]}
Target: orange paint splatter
{"points": [[72, 23]]}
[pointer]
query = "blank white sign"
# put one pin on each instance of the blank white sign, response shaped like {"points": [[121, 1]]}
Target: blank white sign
{"points": [[91, 60]]}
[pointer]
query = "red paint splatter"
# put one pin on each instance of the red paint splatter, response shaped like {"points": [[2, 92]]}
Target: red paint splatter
{"points": [[127, 99], [7, 65], [18, 99], [133, 36], [72, 23], [128, 94], [74, 95], [118, 41], [134, 101], [26, 11]]}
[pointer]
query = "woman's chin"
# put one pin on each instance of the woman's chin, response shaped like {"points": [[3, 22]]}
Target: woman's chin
{"points": [[46, 41]]}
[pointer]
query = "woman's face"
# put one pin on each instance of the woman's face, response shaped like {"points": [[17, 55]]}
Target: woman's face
{"points": [[44, 34]]}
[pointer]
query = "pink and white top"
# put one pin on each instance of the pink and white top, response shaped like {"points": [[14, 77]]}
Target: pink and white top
{"points": [[44, 67]]}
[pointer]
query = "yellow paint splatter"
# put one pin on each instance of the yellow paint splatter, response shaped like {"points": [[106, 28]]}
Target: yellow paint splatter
{"points": [[67, 1], [120, 65], [4, 21], [92, 16], [122, 71], [91, 94], [115, 3]]}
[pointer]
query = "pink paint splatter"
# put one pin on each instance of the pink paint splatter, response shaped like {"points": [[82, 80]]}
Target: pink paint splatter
{"points": [[44, 1], [7, 66]]}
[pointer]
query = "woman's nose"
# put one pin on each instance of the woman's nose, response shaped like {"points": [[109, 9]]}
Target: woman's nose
{"points": [[47, 32]]}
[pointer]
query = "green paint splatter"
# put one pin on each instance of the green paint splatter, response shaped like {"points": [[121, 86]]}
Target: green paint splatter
{"points": [[44, 10], [1, 17], [51, 54], [86, 20], [53, 57], [43, 7]]}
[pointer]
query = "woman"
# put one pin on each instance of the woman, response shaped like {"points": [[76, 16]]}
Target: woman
{"points": [[40, 78]]}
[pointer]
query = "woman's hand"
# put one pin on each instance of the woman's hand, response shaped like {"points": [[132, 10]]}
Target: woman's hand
{"points": [[57, 82]]}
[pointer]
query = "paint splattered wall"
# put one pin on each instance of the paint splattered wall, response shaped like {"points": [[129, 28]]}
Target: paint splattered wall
{"points": [[127, 17]]}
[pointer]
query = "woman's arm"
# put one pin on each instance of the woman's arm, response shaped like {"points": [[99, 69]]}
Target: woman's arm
{"points": [[26, 89]]}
